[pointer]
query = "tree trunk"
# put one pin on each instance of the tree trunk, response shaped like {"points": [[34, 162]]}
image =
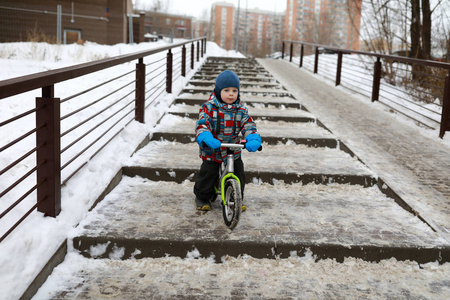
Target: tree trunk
{"points": [[415, 29], [426, 29]]}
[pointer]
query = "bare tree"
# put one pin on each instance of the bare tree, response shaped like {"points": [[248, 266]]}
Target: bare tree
{"points": [[160, 6]]}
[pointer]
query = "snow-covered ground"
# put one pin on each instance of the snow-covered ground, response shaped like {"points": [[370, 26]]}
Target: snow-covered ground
{"points": [[24, 252]]}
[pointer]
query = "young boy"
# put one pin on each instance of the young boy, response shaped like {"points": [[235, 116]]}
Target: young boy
{"points": [[221, 119]]}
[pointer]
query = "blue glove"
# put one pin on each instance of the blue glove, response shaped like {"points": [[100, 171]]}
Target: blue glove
{"points": [[253, 142], [209, 140]]}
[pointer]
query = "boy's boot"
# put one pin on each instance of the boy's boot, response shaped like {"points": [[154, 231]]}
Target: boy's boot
{"points": [[244, 207], [202, 204]]}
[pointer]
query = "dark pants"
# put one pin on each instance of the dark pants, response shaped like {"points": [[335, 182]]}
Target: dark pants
{"points": [[208, 176]]}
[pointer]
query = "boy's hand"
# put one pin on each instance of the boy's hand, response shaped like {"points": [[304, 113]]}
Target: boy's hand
{"points": [[253, 142], [209, 140]]}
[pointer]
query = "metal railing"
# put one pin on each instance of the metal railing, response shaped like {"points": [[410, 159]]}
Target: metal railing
{"points": [[418, 89], [71, 130]]}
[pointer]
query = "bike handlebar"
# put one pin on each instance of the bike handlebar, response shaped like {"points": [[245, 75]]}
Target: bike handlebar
{"points": [[229, 145]]}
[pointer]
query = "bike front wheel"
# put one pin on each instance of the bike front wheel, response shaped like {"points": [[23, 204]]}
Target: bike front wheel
{"points": [[232, 205]]}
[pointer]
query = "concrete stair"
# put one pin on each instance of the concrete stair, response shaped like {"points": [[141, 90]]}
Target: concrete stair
{"points": [[297, 151]]}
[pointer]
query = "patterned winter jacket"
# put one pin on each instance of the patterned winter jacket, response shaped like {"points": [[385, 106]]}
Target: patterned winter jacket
{"points": [[233, 119]]}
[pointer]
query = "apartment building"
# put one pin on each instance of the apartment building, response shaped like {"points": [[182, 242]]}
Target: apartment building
{"points": [[200, 28], [328, 22], [223, 25], [260, 32], [168, 25]]}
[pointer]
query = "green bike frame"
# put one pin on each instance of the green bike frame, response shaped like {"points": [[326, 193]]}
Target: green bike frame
{"points": [[222, 185]]}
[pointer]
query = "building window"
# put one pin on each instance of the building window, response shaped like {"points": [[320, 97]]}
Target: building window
{"points": [[71, 36]]}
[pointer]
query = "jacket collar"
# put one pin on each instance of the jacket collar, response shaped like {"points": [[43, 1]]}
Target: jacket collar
{"points": [[222, 104]]}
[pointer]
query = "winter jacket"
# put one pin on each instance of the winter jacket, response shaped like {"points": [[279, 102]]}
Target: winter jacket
{"points": [[234, 119]]}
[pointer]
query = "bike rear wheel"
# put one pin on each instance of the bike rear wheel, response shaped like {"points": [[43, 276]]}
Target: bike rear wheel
{"points": [[233, 203]]}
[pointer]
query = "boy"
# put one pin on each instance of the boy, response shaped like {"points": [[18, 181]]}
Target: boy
{"points": [[221, 119]]}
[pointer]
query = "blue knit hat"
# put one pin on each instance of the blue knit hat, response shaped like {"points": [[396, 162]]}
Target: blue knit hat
{"points": [[226, 79]]}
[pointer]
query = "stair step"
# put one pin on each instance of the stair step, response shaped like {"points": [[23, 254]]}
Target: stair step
{"points": [[239, 73], [287, 115], [143, 218], [244, 78], [182, 129], [195, 276], [243, 91], [288, 102], [244, 84], [289, 162]]}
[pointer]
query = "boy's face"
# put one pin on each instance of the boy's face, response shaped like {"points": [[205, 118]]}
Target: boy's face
{"points": [[229, 94]]}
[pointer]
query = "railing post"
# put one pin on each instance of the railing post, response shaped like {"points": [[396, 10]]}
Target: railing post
{"points": [[198, 51], [282, 50], [201, 52], [291, 52], [316, 61], [192, 55], [339, 69], [205, 44], [183, 61], [169, 72], [445, 117], [302, 50], [376, 80], [140, 92], [48, 155]]}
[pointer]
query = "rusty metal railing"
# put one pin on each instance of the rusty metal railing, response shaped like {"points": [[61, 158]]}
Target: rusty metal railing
{"points": [[416, 88], [71, 130]]}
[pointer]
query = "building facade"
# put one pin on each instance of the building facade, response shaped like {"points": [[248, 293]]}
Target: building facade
{"points": [[223, 25], [255, 33], [328, 22], [168, 25], [200, 28], [100, 21]]}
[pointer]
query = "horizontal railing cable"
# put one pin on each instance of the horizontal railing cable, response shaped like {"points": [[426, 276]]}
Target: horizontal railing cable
{"points": [[15, 118], [23, 218], [17, 182], [95, 102], [94, 115], [403, 113], [22, 137], [14, 163], [23, 197], [98, 125], [95, 153], [95, 87], [156, 61]]}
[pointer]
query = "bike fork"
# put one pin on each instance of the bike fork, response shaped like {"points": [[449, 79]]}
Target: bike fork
{"points": [[226, 173]]}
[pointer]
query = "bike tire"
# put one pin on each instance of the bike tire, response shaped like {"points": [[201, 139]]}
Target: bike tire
{"points": [[233, 203]]}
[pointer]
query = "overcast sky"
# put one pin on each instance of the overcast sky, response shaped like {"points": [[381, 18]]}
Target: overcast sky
{"points": [[196, 8]]}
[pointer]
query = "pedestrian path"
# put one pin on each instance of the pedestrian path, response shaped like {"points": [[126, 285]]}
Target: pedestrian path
{"points": [[321, 222], [417, 168]]}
